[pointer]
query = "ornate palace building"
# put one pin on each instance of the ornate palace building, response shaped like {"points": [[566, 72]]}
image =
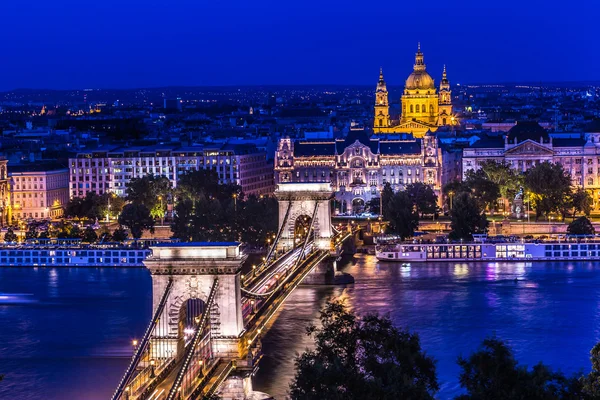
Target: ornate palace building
{"points": [[359, 166], [528, 144], [423, 108]]}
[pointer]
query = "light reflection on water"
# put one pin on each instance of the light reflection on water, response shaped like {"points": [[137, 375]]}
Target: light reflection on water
{"points": [[547, 311], [67, 332]]}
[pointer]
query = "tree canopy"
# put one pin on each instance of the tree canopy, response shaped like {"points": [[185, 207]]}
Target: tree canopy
{"points": [[94, 206], [484, 190], [581, 226], [402, 215], [153, 192], [137, 218], [10, 236], [504, 176], [362, 358], [208, 211], [550, 188], [466, 218], [492, 373], [423, 197]]}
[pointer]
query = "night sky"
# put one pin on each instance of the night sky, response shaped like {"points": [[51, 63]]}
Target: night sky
{"points": [[68, 44]]}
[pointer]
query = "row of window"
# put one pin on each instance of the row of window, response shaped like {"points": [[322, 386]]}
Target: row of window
{"points": [[66, 260]]}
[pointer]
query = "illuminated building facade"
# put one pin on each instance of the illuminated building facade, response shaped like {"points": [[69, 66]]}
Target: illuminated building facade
{"points": [[358, 166], [5, 209], [110, 170], [38, 191], [528, 144], [423, 108]]}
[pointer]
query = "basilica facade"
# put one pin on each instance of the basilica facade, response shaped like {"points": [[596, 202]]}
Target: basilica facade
{"points": [[423, 108], [359, 166]]}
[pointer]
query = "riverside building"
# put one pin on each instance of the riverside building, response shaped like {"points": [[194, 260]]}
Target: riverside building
{"points": [[38, 191], [359, 166], [528, 144], [101, 171]]}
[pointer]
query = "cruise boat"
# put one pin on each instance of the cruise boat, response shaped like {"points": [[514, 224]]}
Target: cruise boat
{"points": [[65, 253], [502, 251]]}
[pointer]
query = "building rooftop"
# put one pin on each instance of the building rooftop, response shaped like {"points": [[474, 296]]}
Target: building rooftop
{"points": [[36, 167]]}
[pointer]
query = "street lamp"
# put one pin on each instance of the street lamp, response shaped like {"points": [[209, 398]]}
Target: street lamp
{"points": [[152, 375], [235, 201], [450, 194]]}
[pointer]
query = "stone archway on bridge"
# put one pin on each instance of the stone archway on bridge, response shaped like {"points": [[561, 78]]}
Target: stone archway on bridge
{"points": [[193, 268], [302, 198]]}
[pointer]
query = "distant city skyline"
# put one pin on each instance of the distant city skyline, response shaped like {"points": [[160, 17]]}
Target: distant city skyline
{"points": [[112, 45]]}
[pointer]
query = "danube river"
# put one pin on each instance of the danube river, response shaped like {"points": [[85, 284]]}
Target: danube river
{"points": [[66, 333]]}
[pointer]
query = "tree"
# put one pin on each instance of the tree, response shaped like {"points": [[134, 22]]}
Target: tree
{"points": [[550, 187], [508, 180], [492, 373], [137, 218], [209, 211], [119, 235], [386, 195], [32, 232], [146, 190], [581, 201], [362, 358], [591, 382], [451, 189], [89, 235], [581, 226], [466, 218], [91, 206], [402, 215], [483, 189], [423, 198], [10, 236]]}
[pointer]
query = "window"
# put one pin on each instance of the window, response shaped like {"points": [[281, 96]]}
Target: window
{"points": [[431, 108], [411, 108], [417, 108], [423, 108]]}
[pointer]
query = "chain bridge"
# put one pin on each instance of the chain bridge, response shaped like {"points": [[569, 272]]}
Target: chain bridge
{"points": [[208, 318]]}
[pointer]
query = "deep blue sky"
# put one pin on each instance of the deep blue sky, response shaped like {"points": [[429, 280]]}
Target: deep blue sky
{"points": [[140, 43]]}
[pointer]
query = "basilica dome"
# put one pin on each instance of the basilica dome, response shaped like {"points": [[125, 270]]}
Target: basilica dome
{"points": [[419, 80]]}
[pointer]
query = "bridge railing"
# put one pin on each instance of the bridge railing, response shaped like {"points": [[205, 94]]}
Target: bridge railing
{"points": [[141, 351], [197, 353], [277, 298]]}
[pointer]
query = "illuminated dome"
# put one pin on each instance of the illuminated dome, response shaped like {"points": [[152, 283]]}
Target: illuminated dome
{"points": [[419, 79]]}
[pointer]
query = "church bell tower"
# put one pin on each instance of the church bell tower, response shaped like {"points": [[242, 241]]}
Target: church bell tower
{"points": [[445, 102], [382, 107]]}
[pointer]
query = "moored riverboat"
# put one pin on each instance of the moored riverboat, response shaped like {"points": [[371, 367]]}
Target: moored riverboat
{"points": [[503, 251]]}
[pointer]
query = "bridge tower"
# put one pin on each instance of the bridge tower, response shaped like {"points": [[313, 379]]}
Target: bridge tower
{"points": [[298, 200], [192, 268]]}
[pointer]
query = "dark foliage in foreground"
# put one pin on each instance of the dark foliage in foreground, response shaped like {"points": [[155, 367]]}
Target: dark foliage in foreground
{"points": [[362, 358]]}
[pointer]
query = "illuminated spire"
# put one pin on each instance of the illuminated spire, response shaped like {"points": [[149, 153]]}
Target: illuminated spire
{"points": [[419, 64], [381, 86]]}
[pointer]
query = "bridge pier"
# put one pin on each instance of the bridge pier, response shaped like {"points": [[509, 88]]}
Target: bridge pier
{"points": [[236, 387]]}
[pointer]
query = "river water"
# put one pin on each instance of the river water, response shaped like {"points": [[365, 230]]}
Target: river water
{"points": [[66, 333]]}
